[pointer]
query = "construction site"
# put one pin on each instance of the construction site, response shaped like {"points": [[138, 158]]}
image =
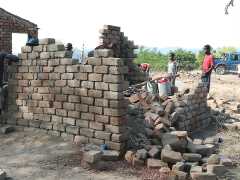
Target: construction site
{"points": [[95, 120]]}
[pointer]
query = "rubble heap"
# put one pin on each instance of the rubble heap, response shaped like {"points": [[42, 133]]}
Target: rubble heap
{"points": [[164, 126]]}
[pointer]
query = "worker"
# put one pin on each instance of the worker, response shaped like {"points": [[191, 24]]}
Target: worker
{"points": [[207, 66], [145, 67], [75, 53], [5, 59], [172, 70], [32, 39], [238, 67]]}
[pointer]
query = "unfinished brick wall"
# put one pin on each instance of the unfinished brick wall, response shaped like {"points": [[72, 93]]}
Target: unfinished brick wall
{"points": [[9, 24], [123, 48], [191, 110], [51, 91]]}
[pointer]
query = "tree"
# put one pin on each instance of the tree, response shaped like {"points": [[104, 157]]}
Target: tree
{"points": [[154, 57], [220, 51], [186, 59], [230, 3]]}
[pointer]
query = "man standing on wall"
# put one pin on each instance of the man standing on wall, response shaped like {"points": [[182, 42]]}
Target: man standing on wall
{"points": [[207, 66]]}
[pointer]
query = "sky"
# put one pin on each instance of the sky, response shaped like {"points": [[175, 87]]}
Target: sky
{"points": [[152, 23]]}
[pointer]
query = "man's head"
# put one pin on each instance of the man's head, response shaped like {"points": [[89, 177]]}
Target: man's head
{"points": [[207, 49], [69, 47], [172, 56]]}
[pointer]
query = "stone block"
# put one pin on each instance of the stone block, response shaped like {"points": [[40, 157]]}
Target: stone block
{"points": [[87, 84], [113, 61], [53, 62], [94, 61], [70, 121], [96, 126], [191, 157], [119, 137], [72, 130], [87, 132], [82, 123], [95, 77], [26, 49], [203, 176], [67, 76], [81, 76], [73, 83], [101, 102], [154, 152], [114, 129], [60, 69], [95, 93], [156, 163], [114, 112], [68, 90], [57, 119], [73, 99], [103, 53], [86, 68], [113, 95], [63, 54], [87, 100], [141, 154], [108, 78], [81, 91], [102, 135], [46, 41], [101, 86], [171, 156], [102, 119], [81, 107], [74, 114], [92, 156], [55, 47], [60, 98], [96, 110], [60, 83], [101, 69], [118, 70]]}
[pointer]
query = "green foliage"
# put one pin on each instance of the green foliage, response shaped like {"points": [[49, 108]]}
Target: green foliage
{"points": [[219, 52], [186, 59], [200, 56], [155, 58]]}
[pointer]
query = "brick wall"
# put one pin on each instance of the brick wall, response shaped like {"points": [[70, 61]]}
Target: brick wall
{"points": [[191, 110], [49, 90], [9, 24]]}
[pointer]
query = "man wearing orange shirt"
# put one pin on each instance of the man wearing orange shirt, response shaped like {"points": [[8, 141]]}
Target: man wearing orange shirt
{"points": [[207, 66]]}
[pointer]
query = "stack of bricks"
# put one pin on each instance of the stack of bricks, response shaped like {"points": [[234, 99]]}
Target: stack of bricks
{"points": [[191, 111], [123, 48], [50, 91]]}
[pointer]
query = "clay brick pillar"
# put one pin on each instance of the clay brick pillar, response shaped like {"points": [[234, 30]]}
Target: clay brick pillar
{"points": [[109, 106]]}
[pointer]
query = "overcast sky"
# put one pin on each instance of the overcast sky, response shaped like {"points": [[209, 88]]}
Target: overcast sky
{"points": [[153, 23]]}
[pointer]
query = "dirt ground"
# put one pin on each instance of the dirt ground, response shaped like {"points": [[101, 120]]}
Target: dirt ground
{"points": [[37, 156], [33, 155]]}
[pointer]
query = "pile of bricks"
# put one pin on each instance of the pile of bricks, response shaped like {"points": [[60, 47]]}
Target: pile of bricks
{"points": [[85, 103], [188, 112]]}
